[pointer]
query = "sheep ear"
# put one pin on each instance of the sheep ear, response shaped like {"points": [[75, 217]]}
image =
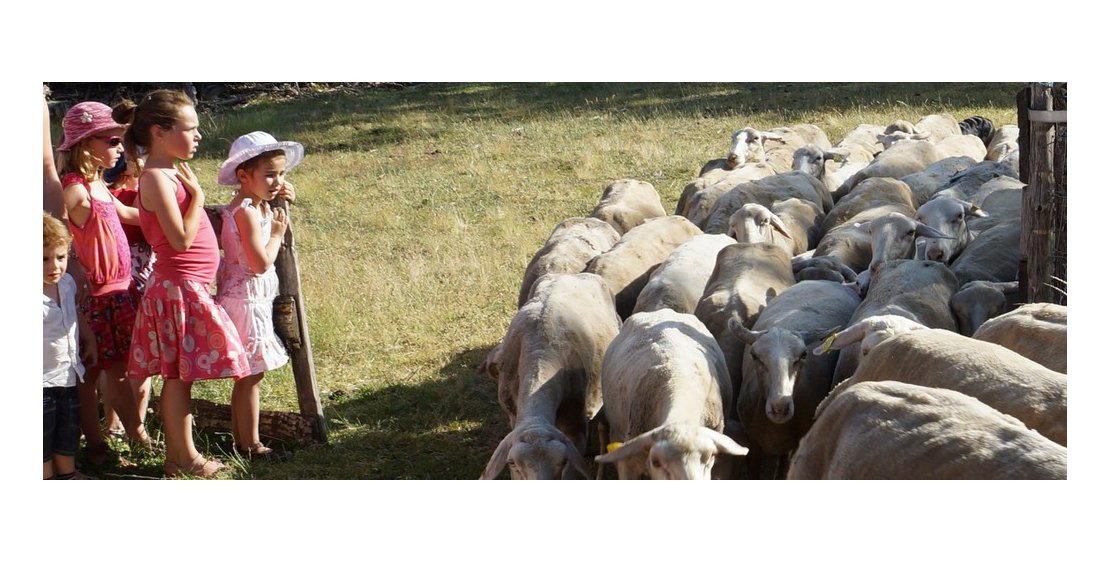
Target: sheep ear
{"points": [[834, 156], [811, 336], [840, 340], [779, 226], [629, 449], [922, 229], [1007, 288], [772, 136], [921, 136], [742, 332], [494, 371], [863, 226], [500, 457], [575, 457], [724, 443], [973, 210]]}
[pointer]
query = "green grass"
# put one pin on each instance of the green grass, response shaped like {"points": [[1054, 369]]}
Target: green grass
{"points": [[419, 209]]}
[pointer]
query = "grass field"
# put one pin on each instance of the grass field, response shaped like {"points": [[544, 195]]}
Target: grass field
{"points": [[418, 210]]}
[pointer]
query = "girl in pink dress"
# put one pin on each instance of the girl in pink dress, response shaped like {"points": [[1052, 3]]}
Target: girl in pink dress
{"points": [[92, 141], [180, 333]]}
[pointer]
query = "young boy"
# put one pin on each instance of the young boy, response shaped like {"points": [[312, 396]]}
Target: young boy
{"points": [[61, 363]]}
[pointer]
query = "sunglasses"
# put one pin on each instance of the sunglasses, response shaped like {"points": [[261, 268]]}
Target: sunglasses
{"points": [[112, 141]]}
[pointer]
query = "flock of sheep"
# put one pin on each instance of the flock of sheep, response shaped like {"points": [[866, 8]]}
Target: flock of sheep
{"points": [[809, 311]]}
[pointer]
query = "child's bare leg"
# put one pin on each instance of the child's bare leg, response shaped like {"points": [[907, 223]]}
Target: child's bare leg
{"points": [[90, 411], [140, 390], [245, 406], [124, 402], [111, 420], [47, 469], [64, 464], [177, 421]]}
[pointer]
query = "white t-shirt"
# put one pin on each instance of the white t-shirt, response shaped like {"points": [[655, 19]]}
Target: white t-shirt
{"points": [[61, 363]]}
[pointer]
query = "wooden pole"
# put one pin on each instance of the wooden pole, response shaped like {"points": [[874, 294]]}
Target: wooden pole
{"points": [[1037, 207], [1023, 100], [289, 309], [1060, 197]]}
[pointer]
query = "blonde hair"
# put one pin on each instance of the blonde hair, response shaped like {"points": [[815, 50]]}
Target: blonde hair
{"points": [[54, 233], [77, 160]]}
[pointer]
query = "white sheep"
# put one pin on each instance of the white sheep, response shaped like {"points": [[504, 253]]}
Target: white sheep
{"points": [[979, 301], [893, 430], [914, 289], [679, 281], [549, 376], [782, 383], [626, 204], [795, 220], [1003, 143], [766, 192], [666, 389], [994, 255], [999, 377], [744, 278], [925, 183], [627, 266], [1038, 331], [699, 196], [571, 245], [775, 147], [950, 217]]}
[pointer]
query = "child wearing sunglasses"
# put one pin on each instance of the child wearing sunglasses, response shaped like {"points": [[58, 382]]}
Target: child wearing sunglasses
{"points": [[91, 142]]}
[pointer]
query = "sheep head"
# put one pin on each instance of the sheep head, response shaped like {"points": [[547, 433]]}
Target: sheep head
{"points": [[777, 357], [535, 452], [672, 452]]}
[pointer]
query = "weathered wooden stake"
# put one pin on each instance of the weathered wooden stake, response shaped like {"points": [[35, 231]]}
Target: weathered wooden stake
{"points": [[1037, 203], [290, 304]]}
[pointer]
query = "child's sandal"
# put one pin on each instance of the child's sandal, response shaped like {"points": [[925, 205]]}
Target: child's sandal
{"points": [[199, 467], [257, 450]]}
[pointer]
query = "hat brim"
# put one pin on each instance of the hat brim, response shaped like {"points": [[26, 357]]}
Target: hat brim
{"points": [[294, 153], [68, 144]]}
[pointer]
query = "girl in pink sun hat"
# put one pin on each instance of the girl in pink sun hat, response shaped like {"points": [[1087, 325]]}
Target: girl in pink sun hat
{"points": [[253, 229], [180, 333], [92, 141]]}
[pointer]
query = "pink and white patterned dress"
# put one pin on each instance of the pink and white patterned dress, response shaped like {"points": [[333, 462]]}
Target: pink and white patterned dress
{"points": [[247, 297], [180, 332]]}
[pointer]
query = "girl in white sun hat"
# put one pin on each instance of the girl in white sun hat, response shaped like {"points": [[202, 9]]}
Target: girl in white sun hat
{"points": [[246, 283]]}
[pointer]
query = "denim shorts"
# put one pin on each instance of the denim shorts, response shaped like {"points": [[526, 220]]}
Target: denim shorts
{"points": [[61, 424]]}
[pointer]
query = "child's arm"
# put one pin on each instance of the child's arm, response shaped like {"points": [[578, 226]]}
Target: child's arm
{"points": [[127, 215], [260, 248], [87, 341], [77, 204], [180, 229]]}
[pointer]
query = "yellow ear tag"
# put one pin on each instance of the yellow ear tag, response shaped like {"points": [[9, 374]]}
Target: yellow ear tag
{"points": [[826, 346], [613, 446], [838, 157]]}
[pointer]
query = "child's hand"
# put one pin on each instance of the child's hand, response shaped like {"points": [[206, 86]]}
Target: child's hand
{"points": [[287, 192], [88, 347], [280, 223], [189, 180]]}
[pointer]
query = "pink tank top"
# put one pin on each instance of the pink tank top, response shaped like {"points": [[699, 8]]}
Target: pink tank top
{"points": [[198, 263], [101, 245]]}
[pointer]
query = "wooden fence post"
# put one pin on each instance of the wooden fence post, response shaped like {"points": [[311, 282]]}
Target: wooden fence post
{"points": [[1060, 167], [1037, 201], [290, 306]]}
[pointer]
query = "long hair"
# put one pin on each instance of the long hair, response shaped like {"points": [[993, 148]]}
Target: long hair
{"points": [[77, 160], [160, 107]]}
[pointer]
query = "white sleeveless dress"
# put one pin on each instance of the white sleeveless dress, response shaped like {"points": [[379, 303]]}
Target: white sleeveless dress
{"points": [[249, 298]]}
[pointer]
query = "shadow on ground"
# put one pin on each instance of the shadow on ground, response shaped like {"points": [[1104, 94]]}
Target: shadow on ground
{"points": [[442, 430]]}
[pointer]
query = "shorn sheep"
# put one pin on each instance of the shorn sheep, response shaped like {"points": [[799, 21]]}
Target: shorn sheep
{"points": [[665, 388], [894, 430]]}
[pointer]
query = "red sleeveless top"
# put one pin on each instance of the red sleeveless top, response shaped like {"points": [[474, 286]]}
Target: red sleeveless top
{"points": [[100, 244], [198, 263]]}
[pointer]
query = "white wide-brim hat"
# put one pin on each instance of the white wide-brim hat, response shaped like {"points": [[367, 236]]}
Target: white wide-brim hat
{"points": [[252, 144]]}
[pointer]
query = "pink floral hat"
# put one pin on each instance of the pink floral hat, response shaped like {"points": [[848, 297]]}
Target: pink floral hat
{"points": [[84, 120]]}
